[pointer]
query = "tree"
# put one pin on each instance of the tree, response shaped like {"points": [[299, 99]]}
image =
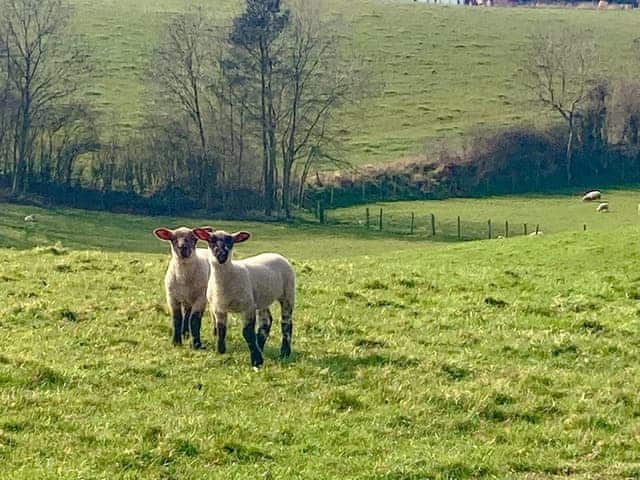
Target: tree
{"points": [[43, 67], [254, 37], [316, 78], [560, 72], [183, 69]]}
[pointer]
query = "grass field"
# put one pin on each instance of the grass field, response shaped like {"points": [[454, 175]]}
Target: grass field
{"points": [[445, 70], [412, 360], [553, 214]]}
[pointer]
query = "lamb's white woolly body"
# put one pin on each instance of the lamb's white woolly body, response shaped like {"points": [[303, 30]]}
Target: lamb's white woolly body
{"points": [[246, 286], [186, 280], [240, 286]]}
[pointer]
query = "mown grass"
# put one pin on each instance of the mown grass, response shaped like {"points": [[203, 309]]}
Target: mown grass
{"points": [[445, 71], [495, 359], [552, 213]]}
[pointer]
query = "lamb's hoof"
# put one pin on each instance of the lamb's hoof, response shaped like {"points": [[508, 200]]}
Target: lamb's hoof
{"points": [[257, 361], [197, 346], [285, 352]]}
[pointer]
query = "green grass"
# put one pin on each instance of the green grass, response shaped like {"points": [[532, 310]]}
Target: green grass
{"points": [[496, 359], [445, 71], [553, 213]]}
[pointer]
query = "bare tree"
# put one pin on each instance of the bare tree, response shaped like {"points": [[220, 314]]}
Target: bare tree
{"points": [[44, 67], [560, 73], [183, 67], [317, 78], [624, 112]]}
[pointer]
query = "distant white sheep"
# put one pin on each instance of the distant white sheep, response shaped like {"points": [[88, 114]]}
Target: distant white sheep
{"points": [[30, 218], [534, 234], [591, 196], [603, 208], [246, 286], [185, 283]]}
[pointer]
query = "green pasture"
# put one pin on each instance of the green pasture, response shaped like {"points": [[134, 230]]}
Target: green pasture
{"points": [[515, 358]]}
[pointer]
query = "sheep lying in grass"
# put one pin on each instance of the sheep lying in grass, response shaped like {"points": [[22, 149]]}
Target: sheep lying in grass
{"points": [[185, 283], [603, 208], [246, 286], [591, 196]]}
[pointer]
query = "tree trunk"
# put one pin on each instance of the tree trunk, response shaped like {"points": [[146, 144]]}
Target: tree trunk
{"points": [[570, 153]]}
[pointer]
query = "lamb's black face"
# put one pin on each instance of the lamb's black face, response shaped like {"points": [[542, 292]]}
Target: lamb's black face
{"points": [[221, 245]]}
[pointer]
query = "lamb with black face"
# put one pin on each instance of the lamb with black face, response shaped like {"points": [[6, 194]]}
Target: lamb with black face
{"points": [[248, 287]]}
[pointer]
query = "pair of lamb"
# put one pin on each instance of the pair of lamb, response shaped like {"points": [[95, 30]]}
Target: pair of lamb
{"points": [[244, 286]]}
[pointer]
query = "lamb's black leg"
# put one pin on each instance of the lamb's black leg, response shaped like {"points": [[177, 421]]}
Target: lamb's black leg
{"points": [[185, 322], [264, 327], [287, 329], [220, 330], [176, 315], [195, 322], [249, 334]]}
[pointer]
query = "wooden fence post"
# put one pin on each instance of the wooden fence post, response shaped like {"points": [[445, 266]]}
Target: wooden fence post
{"points": [[433, 225], [584, 227], [537, 228], [506, 228], [380, 221], [459, 229], [525, 229], [412, 222], [367, 216], [489, 224], [331, 197]]}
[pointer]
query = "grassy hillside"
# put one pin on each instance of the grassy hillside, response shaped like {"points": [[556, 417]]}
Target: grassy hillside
{"points": [[512, 359], [445, 70]]}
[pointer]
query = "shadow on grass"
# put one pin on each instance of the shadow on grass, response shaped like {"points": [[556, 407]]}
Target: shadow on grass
{"points": [[344, 367], [91, 230]]}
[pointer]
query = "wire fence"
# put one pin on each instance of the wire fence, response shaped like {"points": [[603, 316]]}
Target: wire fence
{"points": [[429, 226]]}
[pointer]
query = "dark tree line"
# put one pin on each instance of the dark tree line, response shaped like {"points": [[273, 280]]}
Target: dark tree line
{"points": [[237, 117]]}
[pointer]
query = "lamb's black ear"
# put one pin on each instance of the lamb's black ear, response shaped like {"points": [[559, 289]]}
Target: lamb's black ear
{"points": [[163, 234], [240, 237], [203, 233]]}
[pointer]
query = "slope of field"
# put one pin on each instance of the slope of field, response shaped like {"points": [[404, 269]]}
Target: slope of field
{"points": [[495, 359], [552, 213], [445, 70]]}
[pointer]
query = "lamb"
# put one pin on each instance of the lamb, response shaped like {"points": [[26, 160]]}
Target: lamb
{"points": [[185, 283], [30, 218], [603, 208], [246, 286], [593, 195]]}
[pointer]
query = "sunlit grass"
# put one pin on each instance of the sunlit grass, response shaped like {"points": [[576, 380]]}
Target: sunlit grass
{"points": [[511, 358]]}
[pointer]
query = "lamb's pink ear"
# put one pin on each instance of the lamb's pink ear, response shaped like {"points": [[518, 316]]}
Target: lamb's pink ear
{"points": [[203, 233], [163, 234], [240, 237]]}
